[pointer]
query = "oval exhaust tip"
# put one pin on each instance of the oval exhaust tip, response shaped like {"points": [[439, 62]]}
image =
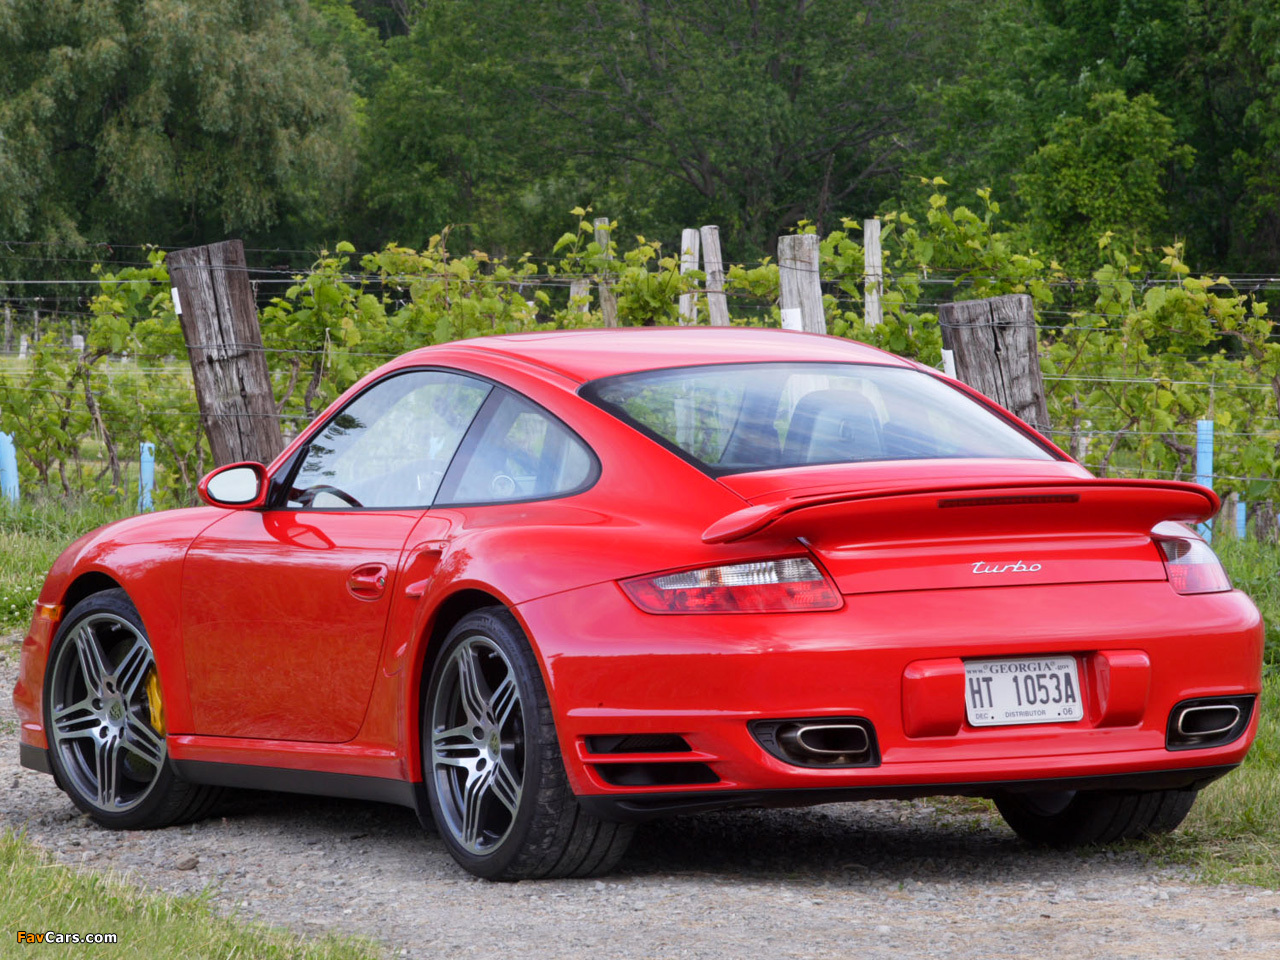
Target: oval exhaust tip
{"points": [[1208, 720]]}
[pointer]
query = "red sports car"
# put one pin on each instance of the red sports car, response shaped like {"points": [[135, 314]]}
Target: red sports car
{"points": [[542, 587]]}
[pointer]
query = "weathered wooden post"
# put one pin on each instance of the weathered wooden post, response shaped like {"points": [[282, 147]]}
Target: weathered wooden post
{"points": [[713, 265], [993, 342], [580, 294], [801, 298], [690, 240], [8, 329], [608, 302], [214, 303], [873, 273]]}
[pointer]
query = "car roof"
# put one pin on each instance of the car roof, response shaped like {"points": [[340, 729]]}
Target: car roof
{"points": [[583, 355]]}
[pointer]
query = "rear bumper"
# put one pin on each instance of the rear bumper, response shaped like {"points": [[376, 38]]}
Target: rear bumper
{"points": [[612, 670]]}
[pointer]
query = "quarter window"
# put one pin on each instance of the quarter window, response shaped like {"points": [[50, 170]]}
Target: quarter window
{"points": [[517, 451]]}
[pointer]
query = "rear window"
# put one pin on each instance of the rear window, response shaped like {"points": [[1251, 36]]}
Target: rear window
{"points": [[734, 418]]}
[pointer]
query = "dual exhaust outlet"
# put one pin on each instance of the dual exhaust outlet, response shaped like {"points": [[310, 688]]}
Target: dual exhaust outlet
{"points": [[851, 741]]}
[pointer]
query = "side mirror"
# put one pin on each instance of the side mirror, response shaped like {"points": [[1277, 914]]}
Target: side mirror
{"points": [[239, 486]]}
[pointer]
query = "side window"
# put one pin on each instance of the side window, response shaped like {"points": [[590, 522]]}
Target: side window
{"points": [[390, 446], [517, 451]]}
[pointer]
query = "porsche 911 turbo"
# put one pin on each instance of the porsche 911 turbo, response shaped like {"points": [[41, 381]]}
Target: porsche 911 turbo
{"points": [[542, 587]]}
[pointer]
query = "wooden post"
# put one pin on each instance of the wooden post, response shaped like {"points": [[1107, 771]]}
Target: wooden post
{"points": [[801, 298], [994, 344], [35, 324], [580, 293], [690, 240], [713, 264], [608, 302], [873, 273], [8, 329], [220, 324]]}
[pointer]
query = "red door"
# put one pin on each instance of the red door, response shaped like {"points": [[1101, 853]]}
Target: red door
{"points": [[284, 610], [283, 616]]}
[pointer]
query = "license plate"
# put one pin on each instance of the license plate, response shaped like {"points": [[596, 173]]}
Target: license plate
{"points": [[1022, 690]]}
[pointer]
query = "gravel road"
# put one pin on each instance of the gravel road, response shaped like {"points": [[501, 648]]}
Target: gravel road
{"points": [[870, 880]]}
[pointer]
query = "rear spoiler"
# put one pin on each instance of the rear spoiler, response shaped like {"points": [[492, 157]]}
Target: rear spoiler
{"points": [[1124, 504]]}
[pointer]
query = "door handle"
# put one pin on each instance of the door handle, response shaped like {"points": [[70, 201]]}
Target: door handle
{"points": [[368, 582]]}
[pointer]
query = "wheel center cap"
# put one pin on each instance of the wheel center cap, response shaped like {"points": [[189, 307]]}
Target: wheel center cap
{"points": [[495, 744], [115, 711]]}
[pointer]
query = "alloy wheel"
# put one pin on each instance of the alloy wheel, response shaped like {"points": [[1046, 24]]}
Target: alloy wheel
{"points": [[477, 745], [101, 714]]}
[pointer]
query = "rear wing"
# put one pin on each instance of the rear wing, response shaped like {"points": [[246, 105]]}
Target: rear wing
{"points": [[988, 509]]}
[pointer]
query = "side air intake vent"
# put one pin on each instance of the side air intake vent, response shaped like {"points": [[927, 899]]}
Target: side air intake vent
{"points": [[656, 774], [638, 743]]}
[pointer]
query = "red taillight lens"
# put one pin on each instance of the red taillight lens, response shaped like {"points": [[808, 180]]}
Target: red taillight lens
{"points": [[1192, 566], [765, 586]]}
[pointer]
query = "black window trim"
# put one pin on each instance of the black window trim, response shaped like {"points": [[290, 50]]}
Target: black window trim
{"points": [[590, 391], [282, 480]]}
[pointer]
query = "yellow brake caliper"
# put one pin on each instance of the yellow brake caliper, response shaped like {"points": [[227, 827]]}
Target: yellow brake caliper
{"points": [[155, 702]]}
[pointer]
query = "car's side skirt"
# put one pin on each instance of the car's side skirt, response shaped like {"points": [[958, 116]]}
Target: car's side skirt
{"points": [[649, 806], [316, 782]]}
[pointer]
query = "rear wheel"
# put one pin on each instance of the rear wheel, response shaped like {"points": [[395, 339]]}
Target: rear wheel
{"points": [[105, 721], [495, 777], [1079, 818]]}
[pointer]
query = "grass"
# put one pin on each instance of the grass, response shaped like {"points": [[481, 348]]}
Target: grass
{"points": [[41, 896], [31, 537], [1255, 569]]}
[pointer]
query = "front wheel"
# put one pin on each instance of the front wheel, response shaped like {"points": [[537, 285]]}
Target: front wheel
{"points": [[105, 721], [1072, 818], [495, 777]]}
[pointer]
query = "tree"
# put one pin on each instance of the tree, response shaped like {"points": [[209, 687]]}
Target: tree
{"points": [[1100, 173], [504, 114], [166, 120]]}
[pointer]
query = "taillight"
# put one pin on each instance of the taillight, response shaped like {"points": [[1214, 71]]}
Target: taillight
{"points": [[1192, 565], [764, 586]]}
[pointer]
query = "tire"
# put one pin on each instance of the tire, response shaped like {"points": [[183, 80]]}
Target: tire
{"points": [[1075, 819], [495, 778], [104, 721]]}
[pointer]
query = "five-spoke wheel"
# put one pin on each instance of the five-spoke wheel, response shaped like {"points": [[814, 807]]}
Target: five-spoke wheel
{"points": [[496, 782], [477, 744], [105, 720]]}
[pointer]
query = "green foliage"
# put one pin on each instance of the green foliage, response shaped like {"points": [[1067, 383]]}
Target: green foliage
{"points": [[496, 116], [1131, 361], [1102, 172], [119, 117]]}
